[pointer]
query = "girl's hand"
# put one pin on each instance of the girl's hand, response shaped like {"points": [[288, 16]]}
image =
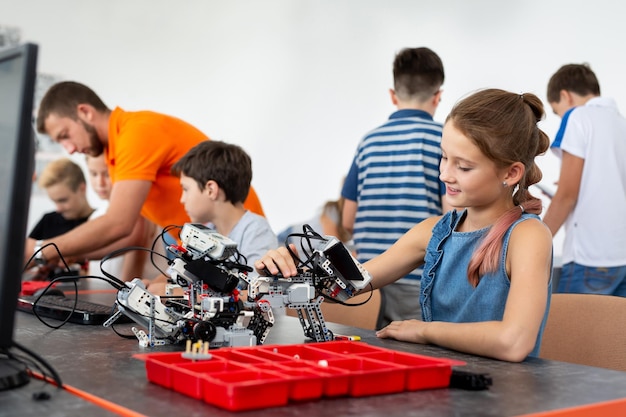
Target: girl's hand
{"points": [[406, 331], [277, 261]]}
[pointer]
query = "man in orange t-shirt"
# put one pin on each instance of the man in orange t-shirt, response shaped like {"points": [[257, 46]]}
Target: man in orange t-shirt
{"points": [[131, 135], [140, 149]]}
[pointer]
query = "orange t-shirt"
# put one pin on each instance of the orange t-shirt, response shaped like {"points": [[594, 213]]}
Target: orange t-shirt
{"points": [[144, 145]]}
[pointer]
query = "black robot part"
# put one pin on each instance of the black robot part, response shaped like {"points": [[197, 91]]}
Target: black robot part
{"points": [[213, 276]]}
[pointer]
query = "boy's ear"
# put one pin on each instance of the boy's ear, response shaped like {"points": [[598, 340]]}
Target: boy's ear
{"points": [[437, 97], [212, 188], [394, 97], [566, 97]]}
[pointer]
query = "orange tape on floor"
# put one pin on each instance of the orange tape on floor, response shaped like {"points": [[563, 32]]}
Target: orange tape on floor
{"points": [[613, 408], [99, 401]]}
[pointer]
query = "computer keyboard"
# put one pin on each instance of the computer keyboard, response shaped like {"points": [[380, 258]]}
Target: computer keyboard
{"points": [[58, 307]]}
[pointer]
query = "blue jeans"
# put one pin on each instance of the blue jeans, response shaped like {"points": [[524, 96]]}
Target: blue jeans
{"points": [[582, 279]]}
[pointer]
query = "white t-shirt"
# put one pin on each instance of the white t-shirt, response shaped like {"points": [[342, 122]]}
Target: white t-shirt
{"points": [[595, 231]]}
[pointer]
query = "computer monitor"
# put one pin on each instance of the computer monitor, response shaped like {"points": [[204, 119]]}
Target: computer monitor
{"points": [[18, 72]]}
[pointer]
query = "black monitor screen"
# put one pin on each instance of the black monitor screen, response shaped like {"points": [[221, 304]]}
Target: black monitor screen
{"points": [[17, 87]]}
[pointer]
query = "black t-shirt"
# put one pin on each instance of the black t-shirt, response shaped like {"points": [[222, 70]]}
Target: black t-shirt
{"points": [[52, 225]]}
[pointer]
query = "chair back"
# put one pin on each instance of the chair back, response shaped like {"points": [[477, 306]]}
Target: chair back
{"points": [[586, 329]]}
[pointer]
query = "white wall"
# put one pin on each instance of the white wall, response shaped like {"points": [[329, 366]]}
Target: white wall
{"points": [[297, 83]]}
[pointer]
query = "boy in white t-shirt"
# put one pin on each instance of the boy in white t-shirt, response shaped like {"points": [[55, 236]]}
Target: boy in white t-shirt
{"points": [[591, 196]]}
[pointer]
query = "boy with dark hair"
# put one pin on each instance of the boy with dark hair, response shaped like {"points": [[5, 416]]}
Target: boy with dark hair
{"points": [[215, 177], [418, 75], [573, 78], [393, 182], [591, 195]]}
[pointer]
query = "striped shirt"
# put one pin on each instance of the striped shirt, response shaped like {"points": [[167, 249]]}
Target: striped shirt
{"points": [[394, 179]]}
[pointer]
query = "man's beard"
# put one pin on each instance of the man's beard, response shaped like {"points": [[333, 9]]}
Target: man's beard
{"points": [[95, 146]]}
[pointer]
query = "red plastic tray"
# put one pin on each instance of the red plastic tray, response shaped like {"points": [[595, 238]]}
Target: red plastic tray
{"points": [[247, 378], [31, 287]]}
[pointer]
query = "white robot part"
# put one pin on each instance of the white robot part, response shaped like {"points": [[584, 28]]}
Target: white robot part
{"points": [[143, 307], [300, 293], [200, 241]]}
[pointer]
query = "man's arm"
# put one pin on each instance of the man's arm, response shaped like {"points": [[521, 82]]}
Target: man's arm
{"points": [[142, 235], [134, 261], [566, 195], [127, 198]]}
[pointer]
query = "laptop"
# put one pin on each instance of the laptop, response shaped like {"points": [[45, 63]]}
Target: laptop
{"points": [[57, 306]]}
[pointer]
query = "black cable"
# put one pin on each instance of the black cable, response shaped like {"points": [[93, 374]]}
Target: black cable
{"points": [[122, 335], [161, 237], [114, 281], [236, 264], [30, 364], [50, 284], [55, 376], [240, 262], [121, 251], [69, 270], [306, 236], [74, 279], [32, 257], [69, 315]]}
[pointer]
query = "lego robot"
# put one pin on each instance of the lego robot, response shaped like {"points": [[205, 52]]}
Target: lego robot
{"points": [[210, 309], [205, 267], [328, 271]]}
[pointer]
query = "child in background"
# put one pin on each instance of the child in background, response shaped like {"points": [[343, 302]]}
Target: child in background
{"points": [[590, 200], [328, 222], [393, 183], [487, 268], [64, 182]]}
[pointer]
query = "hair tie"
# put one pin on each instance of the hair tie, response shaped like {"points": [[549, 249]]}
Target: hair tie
{"points": [[521, 207]]}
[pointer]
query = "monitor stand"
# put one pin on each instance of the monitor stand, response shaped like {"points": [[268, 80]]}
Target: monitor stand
{"points": [[12, 374]]}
